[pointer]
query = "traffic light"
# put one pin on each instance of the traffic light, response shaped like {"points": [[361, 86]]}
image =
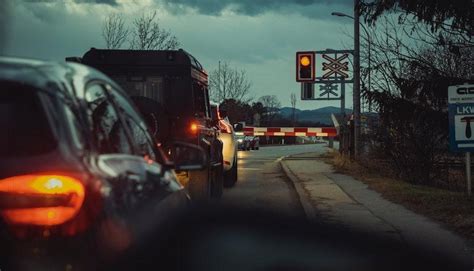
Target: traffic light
{"points": [[305, 67], [307, 91]]}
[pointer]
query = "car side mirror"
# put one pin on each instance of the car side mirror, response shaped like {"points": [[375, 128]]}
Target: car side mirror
{"points": [[186, 156], [238, 127]]}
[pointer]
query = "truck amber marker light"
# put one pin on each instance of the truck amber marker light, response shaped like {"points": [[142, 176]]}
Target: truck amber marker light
{"points": [[43, 200], [194, 128]]}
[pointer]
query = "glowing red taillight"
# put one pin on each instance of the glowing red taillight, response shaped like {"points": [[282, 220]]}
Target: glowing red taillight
{"points": [[43, 200]]}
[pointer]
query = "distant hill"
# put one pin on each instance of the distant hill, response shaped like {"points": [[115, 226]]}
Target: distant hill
{"points": [[322, 115]]}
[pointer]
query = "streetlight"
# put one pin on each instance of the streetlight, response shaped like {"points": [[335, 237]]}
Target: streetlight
{"points": [[356, 88], [340, 14]]}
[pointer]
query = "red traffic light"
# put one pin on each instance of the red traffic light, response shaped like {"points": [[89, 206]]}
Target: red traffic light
{"points": [[305, 67]]}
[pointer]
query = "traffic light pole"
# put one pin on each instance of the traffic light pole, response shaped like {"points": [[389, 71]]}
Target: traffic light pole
{"points": [[343, 100], [356, 90]]}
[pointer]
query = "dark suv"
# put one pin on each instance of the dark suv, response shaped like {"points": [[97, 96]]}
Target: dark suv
{"points": [[170, 88], [80, 175]]}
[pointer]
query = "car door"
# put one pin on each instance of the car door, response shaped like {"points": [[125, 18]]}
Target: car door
{"points": [[116, 159]]}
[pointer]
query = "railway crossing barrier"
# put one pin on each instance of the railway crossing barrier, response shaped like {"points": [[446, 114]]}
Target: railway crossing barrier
{"points": [[288, 131]]}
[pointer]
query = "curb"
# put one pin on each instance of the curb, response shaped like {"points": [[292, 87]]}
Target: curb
{"points": [[304, 199]]}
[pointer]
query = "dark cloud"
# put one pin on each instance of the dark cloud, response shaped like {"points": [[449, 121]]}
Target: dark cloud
{"points": [[5, 9], [248, 7], [108, 2], [258, 36], [47, 10]]}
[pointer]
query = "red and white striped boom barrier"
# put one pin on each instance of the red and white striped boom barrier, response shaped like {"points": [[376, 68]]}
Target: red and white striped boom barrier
{"points": [[288, 131]]}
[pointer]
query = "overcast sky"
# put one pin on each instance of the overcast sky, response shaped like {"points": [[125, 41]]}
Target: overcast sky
{"points": [[259, 36]]}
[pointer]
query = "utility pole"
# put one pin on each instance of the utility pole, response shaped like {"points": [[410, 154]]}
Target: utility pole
{"points": [[219, 82], [356, 90], [370, 68], [340, 14]]}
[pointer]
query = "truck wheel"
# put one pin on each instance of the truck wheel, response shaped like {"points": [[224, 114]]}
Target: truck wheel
{"points": [[218, 182], [230, 177], [199, 185]]}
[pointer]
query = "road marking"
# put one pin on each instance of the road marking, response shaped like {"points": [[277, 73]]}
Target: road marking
{"points": [[280, 158], [250, 168]]}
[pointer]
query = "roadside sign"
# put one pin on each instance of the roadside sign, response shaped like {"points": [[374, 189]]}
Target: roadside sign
{"points": [[461, 117]]}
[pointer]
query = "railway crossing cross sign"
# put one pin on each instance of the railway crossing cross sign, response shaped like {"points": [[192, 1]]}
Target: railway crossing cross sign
{"points": [[328, 89], [337, 66], [461, 117]]}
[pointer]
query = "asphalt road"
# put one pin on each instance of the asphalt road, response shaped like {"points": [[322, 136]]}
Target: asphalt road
{"points": [[261, 183]]}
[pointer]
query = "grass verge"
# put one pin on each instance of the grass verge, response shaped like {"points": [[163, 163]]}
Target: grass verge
{"points": [[454, 209]]}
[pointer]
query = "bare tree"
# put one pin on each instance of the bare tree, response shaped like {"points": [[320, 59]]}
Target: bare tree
{"points": [[400, 47], [270, 102], [229, 83], [272, 106], [412, 67], [293, 108], [114, 31], [147, 34]]}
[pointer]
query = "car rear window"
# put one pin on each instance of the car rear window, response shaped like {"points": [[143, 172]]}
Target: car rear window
{"points": [[151, 87], [166, 92], [24, 125]]}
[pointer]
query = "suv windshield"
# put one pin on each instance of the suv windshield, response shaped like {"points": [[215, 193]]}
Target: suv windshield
{"points": [[25, 128]]}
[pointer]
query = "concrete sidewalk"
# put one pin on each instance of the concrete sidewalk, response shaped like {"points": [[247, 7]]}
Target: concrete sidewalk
{"points": [[345, 201]]}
